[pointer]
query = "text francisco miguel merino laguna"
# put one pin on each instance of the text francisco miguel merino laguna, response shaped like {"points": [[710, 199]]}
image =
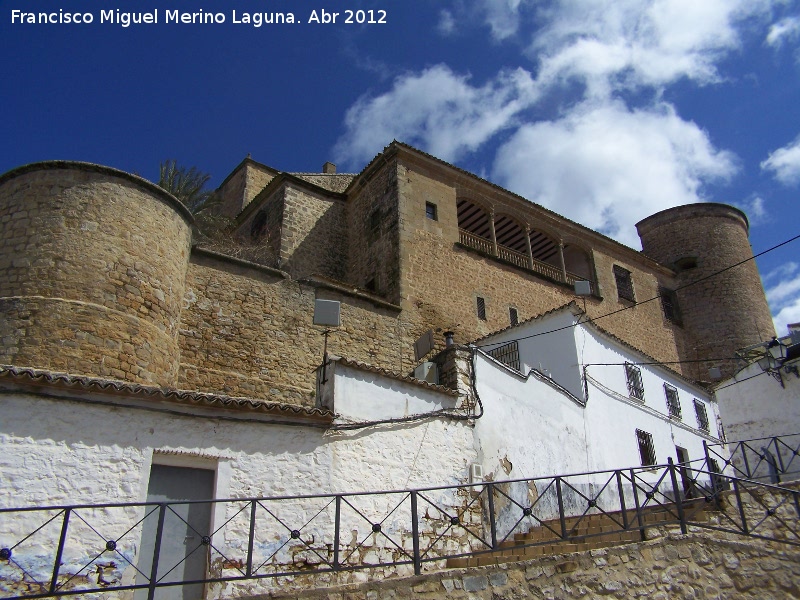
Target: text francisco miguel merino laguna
{"points": [[257, 19]]}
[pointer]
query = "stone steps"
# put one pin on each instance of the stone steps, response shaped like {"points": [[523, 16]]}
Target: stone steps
{"points": [[590, 532]]}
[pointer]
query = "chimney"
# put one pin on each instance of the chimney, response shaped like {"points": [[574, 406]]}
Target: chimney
{"points": [[329, 168], [448, 339]]}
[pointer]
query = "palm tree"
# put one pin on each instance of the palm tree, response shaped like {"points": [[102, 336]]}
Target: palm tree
{"points": [[187, 185]]}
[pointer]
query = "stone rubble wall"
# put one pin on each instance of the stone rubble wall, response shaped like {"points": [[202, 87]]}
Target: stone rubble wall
{"points": [[696, 565]]}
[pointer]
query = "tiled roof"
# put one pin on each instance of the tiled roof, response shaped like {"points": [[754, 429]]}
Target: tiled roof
{"points": [[28, 377]]}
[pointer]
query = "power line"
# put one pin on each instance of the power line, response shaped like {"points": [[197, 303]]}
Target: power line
{"points": [[635, 304]]}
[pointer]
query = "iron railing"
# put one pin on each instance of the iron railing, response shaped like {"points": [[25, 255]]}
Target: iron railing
{"points": [[71, 550], [768, 459]]}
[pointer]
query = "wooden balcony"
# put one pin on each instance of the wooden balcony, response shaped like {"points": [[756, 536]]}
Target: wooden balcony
{"points": [[520, 260]]}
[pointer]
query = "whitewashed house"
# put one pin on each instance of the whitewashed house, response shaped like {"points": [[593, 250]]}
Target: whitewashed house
{"points": [[561, 395]]}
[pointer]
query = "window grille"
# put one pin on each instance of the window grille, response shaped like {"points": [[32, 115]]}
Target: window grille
{"points": [[701, 414], [624, 283], [669, 305], [635, 386], [647, 451], [481, 308], [673, 402], [513, 316], [430, 211], [507, 354]]}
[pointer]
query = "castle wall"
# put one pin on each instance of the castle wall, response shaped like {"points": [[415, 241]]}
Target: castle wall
{"points": [[248, 331], [373, 236], [242, 186], [314, 238], [92, 267], [726, 312], [442, 279]]}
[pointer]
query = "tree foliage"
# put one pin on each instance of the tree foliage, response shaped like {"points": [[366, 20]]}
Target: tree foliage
{"points": [[187, 185]]}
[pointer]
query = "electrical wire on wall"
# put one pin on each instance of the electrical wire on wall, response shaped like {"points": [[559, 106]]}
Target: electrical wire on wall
{"points": [[441, 413]]}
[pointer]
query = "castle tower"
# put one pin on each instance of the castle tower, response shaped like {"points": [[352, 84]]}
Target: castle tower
{"points": [[722, 313], [92, 269]]}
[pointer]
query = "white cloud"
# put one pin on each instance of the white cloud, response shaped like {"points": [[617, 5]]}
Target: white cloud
{"points": [[607, 167], [785, 163], [787, 29], [611, 44], [783, 295], [447, 23], [502, 16], [755, 209], [436, 109]]}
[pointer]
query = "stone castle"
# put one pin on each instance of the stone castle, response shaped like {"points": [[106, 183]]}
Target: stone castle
{"points": [[100, 276]]}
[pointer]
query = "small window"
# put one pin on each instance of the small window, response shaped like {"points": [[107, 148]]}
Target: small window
{"points": [[513, 317], [701, 414], [669, 304], [370, 286], [673, 402], [624, 283], [647, 451], [686, 263], [481, 308], [430, 211], [635, 386]]}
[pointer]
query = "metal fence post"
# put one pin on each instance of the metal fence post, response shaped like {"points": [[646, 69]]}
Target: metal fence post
{"points": [[780, 459], [251, 538], [60, 551], [639, 518], [622, 506], [676, 494], [336, 524], [492, 520], [162, 511], [743, 447], [415, 534], [561, 509], [741, 506]]}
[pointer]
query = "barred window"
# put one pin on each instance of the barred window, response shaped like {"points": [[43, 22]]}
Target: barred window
{"points": [[513, 317], [701, 414], [647, 451], [669, 305], [673, 402], [507, 354], [624, 283], [481, 306], [635, 386]]}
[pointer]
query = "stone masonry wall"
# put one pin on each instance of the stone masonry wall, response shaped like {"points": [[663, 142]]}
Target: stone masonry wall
{"points": [[264, 225], [677, 566], [92, 267], [373, 237], [243, 185], [248, 331], [313, 236]]}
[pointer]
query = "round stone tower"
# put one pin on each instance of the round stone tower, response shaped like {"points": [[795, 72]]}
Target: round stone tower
{"points": [[92, 269], [722, 313]]}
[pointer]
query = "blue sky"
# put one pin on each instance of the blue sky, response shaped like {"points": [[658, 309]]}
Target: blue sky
{"points": [[602, 110]]}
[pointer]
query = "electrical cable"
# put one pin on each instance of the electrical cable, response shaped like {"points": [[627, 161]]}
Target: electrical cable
{"points": [[683, 287], [443, 412]]}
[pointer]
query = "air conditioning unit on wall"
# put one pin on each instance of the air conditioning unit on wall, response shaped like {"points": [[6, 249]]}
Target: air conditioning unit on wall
{"points": [[427, 371]]}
